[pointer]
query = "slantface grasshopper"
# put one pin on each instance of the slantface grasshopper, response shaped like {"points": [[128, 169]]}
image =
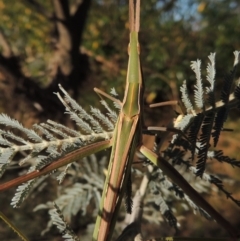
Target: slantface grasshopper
{"points": [[126, 140], [127, 135]]}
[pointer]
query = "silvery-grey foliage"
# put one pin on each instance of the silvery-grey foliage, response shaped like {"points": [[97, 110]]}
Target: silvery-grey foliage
{"points": [[185, 98], [47, 142], [198, 89], [83, 194], [62, 225], [208, 119]]}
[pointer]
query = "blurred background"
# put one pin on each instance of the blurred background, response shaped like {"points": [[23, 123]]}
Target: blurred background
{"points": [[82, 44]]}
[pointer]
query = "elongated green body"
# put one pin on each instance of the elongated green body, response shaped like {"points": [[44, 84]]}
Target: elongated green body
{"points": [[125, 141]]}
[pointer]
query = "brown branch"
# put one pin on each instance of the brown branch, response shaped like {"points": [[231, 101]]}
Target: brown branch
{"points": [[68, 158]]}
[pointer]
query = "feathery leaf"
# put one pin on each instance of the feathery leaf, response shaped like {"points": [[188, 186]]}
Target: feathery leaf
{"points": [[198, 91]]}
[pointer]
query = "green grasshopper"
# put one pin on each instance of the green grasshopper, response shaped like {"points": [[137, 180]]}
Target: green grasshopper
{"points": [[128, 128], [126, 140]]}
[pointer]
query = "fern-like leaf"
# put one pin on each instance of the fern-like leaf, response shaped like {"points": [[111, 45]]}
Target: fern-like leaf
{"points": [[86, 191], [221, 117], [228, 80], [198, 91], [58, 220], [194, 130], [161, 205], [22, 193], [237, 95], [217, 182], [218, 155], [222, 113], [47, 142], [185, 98], [205, 142], [128, 198], [211, 72]]}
